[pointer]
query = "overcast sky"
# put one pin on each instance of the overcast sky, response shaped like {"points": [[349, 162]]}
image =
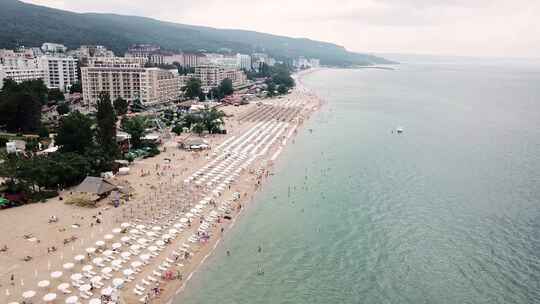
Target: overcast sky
{"points": [[499, 28]]}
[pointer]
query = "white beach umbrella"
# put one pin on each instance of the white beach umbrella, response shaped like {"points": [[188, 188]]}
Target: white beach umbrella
{"points": [[108, 237], [97, 261], [144, 257], [44, 284], [189, 214], [79, 258], [95, 279], [166, 237], [106, 270], [56, 274], [116, 245], [72, 300], [90, 250], [134, 231], [85, 287], [136, 264], [152, 248], [28, 294], [178, 225], [125, 225], [94, 301], [100, 243], [117, 263], [125, 239], [62, 287], [117, 282], [140, 227], [76, 277], [125, 254], [107, 253], [160, 243], [127, 272], [184, 220], [116, 230], [50, 297], [173, 231], [68, 266], [134, 247], [87, 268], [107, 291]]}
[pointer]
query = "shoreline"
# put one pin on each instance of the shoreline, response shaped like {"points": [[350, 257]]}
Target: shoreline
{"points": [[159, 198]]}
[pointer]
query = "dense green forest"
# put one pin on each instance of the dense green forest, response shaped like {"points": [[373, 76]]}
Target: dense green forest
{"points": [[25, 24]]}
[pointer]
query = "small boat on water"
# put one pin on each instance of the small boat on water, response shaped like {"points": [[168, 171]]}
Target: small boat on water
{"points": [[399, 130]]}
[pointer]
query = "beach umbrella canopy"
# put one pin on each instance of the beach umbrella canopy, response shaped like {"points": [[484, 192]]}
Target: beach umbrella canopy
{"points": [[107, 291], [136, 264], [125, 239], [152, 248], [107, 253], [189, 214], [44, 284], [49, 297], [184, 220], [106, 270], [68, 266], [79, 258], [85, 287], [140, 227], [97, 261], [76, 277], [56, 274], [90, 250], [160, 243], [117, 263], [117, 282], [178, 225], [87, 268], [28, 294], [156, 228], [100, 243], [144, 257], [125, 254], [94, 301], [125, 225], [72, 300], [63, 286], [134, 231], [96, 279], [116, 245], [116, 230], [166, 237], [108, 237], [135, 247], [142, 241], [127, 272]]}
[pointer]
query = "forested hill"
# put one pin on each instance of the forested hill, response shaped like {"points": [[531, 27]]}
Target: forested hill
{"points": [[23, 24]]}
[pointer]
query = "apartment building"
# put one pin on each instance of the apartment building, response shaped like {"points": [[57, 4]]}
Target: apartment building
{"points": [[60, 71]]}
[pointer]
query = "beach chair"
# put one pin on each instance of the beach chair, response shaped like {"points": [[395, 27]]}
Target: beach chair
{"points": [[142, 300], [162, 268], [166, 264], [169, 260], [156, 273], [145, 282], [84, 296], [138, 292], [139, 287], [152, 279]]}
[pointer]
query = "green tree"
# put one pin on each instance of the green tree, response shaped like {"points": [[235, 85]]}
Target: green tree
{"points": [[20, 112], [212, 119], [226, 87], [282, 89], [56, 95], [75, 88], [178, 129], [136, 127], [62, 108], [192, 88], [198, 128], [75, 133], [120, 106], [106, 126]]}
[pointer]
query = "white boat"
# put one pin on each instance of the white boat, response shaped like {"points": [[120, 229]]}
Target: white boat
{"points": [[399, 130]]}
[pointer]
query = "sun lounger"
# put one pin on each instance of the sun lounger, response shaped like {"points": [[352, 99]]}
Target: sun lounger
{"points": [[138, 292], [151, 278], [162, 268], [139, 287], [145, 282], [170, 260], [156, 273]]}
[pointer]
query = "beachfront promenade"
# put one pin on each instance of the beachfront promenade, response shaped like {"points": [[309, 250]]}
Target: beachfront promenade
{"points": [[146, 250]]}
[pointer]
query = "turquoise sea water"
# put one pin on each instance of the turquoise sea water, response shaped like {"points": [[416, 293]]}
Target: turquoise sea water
{"points": [[448, 212]]}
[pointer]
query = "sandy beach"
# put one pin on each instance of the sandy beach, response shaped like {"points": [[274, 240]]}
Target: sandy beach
{"points": [[147, 249]]}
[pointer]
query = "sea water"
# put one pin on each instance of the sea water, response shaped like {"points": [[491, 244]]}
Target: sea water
{"points": [[446, 212]]}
